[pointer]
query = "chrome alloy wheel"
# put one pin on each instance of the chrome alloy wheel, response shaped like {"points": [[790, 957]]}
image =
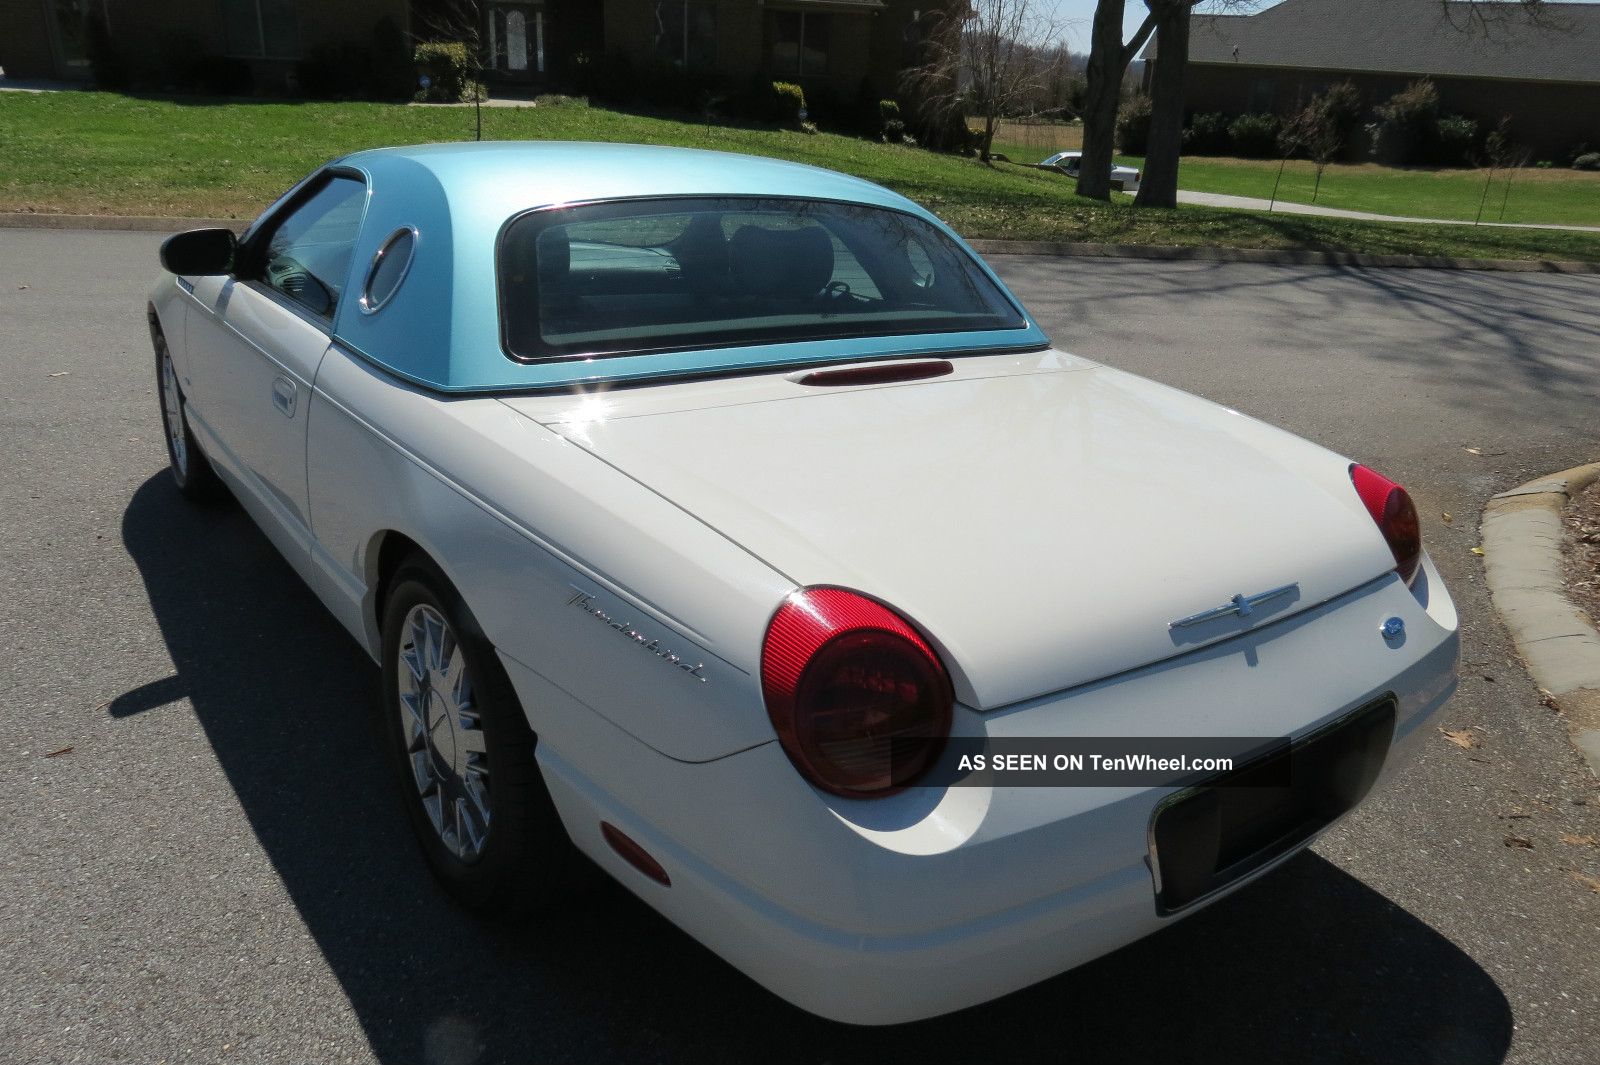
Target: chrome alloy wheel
{"points": [[172, 411], [443, 733]]}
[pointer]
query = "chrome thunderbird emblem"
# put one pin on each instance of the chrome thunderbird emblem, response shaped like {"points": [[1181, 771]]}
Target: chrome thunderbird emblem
{"points": [[1240, 605]]}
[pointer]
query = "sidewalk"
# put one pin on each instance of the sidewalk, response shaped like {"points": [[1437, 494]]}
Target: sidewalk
{"points": [[1253, 203]]}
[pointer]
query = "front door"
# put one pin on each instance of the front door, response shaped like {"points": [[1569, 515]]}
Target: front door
{"points": [[516, 39], [69, 35], [254, 344]]}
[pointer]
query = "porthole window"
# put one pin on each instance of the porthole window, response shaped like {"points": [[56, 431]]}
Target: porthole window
{"points": [[388, 269]]}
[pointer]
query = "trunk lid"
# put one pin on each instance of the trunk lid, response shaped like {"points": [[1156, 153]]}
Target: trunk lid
{"points": [[1041, 518]]}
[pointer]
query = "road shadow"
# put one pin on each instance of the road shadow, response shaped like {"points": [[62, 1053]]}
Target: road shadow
{"points": [[1466, 335], [1309, 963]]}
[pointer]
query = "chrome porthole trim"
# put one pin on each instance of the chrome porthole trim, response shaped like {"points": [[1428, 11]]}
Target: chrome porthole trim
{"points": [[442, 733], [367, 304]]}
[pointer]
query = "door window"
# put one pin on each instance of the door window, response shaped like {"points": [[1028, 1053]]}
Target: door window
{"points": [[307, 253]]}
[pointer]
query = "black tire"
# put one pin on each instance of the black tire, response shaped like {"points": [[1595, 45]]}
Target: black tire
{"points": [[191, 471], [526, 857]]}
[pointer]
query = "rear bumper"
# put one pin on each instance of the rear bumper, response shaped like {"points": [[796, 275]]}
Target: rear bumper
{"points": [[927, 902]]}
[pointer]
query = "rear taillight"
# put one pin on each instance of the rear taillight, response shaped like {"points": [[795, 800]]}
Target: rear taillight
{"points": [[859, 700], [1391, 507]]}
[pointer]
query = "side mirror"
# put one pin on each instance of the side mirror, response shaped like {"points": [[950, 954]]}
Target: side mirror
{"points": [[199, 252]]}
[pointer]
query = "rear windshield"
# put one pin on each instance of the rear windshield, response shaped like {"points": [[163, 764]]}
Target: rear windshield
{"points": [[631, 277]]}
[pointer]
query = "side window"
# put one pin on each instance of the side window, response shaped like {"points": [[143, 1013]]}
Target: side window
{"points": [[307, 252]]}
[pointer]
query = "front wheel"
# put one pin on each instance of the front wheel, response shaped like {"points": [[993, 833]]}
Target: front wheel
{"points": [[464, 752], [191, 472]]}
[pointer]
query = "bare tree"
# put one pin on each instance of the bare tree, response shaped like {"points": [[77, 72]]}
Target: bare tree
{"points": [[1321, 129], [985, 56], [1491, 18], [464, 22], [1159, 185], [1500, 152], [1109, 57]]}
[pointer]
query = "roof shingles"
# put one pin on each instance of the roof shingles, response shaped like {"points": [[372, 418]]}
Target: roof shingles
{"points": [[1406, 37]]}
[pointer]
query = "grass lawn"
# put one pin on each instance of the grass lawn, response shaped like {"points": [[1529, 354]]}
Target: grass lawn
{"points": [[1564, 196], [96, 153]]}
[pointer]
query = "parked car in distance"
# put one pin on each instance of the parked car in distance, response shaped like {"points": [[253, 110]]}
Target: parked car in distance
{"points": [[693, 525], [1125, 178]]}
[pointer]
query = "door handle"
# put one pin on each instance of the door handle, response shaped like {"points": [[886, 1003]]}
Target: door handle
{"points": [[284, 393]]}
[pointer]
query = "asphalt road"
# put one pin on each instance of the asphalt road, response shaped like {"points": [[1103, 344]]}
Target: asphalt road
{"points": [[200, 859]]}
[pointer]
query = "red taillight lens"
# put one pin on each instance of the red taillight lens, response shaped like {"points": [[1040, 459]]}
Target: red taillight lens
{"points": [[860, 701], [1391, 507]]}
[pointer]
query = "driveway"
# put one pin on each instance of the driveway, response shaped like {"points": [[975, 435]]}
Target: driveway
{"points": [[203, 860], [1256, 203]]}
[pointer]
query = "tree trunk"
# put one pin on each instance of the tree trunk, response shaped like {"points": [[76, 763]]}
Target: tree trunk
{"points": [[1159, 185], [1104, 76]]}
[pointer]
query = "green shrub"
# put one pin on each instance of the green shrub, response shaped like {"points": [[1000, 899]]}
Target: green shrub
{"points": [[891, 126], [1587, 161], [1408, 124], [789, 102], [1455, 137], [1207, 135], [448, 66], [1254, 136], [556, 99], [1133, 126], [1343, 106]]}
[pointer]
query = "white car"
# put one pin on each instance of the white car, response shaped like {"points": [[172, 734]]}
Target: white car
{"points": [[723, 531], [1125, 178]]}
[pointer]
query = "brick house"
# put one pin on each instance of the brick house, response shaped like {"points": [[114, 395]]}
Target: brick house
{"points": [[47, 39], [835, 45], [1546, 79], [843, 46]]}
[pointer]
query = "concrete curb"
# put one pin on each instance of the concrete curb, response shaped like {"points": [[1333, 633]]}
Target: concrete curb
{"points": [[1302, 257], [1522, 534], [1058, 249], [122, 223]]}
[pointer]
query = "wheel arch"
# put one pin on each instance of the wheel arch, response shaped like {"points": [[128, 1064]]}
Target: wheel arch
{"points": [[386, 552]]}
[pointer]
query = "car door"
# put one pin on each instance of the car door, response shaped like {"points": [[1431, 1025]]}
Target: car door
{"points": [[260, 335]]}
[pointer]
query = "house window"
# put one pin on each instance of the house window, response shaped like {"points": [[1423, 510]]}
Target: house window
{"points": [[1261, 93], [686, 33], [799, 43], [260, 29]]}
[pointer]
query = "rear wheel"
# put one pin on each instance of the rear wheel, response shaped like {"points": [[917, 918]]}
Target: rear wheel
{"points": [[464, 752], [191, 472]]}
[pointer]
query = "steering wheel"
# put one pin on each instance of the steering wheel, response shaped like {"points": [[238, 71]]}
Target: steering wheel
{"points": [[292, 278]]}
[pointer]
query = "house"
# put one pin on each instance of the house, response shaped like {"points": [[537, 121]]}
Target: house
{"points": [[155, 41], [828, 46], [1546, 78], [843, 47]]}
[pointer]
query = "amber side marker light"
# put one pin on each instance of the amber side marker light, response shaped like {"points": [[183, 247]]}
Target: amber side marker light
{"points": [[634, 854]]}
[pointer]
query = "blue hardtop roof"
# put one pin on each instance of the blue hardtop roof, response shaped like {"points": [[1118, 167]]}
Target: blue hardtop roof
{"points": [[510, 176], [443, 328]]}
